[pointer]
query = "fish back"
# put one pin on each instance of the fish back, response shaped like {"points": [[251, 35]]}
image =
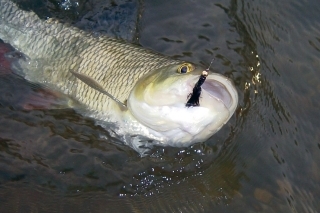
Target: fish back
{"points": [[54, 49]]}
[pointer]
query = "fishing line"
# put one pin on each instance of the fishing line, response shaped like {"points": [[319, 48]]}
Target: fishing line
{"points": [[194, 97]]}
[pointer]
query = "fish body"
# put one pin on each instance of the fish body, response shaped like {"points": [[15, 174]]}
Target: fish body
{"points": [[142, 92]]}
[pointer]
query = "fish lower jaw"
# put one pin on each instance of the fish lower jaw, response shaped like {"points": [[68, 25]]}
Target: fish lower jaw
{"points": [[142, 138], [138, 137]]}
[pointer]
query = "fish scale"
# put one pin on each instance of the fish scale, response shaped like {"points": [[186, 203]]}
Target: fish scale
{"points": [[115, 65], [142, 92]]}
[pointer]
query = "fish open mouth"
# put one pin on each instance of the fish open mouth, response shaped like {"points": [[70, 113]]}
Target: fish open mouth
{"points": [[222, 89], [218, 91]]}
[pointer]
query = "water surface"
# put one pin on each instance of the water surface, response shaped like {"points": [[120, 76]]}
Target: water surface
{"points": [[265, 159]]}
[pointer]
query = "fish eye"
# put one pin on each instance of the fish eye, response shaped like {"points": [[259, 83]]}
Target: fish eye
{"points": [[185, 68]]}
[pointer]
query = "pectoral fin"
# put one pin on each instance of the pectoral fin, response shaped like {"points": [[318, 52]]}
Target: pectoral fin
{"points": [[95, 85]]}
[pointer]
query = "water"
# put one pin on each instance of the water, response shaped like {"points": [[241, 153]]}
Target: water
{"points": [[266, 159]]}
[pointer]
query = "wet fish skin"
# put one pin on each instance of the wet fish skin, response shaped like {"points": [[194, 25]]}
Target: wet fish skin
{"points": [[53, 49], [103, 73]]}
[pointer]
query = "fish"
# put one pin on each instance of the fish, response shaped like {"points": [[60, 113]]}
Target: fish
{"points": [[141, 92]]}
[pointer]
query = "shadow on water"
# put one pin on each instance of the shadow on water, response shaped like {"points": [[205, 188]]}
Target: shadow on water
{"points": [[266, 159]]}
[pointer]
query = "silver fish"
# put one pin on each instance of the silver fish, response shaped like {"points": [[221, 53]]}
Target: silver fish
{"points": [[142, 92]]}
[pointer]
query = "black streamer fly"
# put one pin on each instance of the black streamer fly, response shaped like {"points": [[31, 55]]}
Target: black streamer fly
{"points": [[196, 92]]}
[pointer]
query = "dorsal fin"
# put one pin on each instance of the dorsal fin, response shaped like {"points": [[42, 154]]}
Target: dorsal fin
{"points": [[95, 85]]}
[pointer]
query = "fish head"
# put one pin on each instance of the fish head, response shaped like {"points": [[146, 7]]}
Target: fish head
{"points": [[158, 101]]}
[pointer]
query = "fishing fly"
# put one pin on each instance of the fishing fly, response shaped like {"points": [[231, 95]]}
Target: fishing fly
{"points": [[194, 97]]}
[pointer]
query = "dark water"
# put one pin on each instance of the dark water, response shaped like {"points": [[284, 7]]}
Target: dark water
{"points": [[266, 159]]}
